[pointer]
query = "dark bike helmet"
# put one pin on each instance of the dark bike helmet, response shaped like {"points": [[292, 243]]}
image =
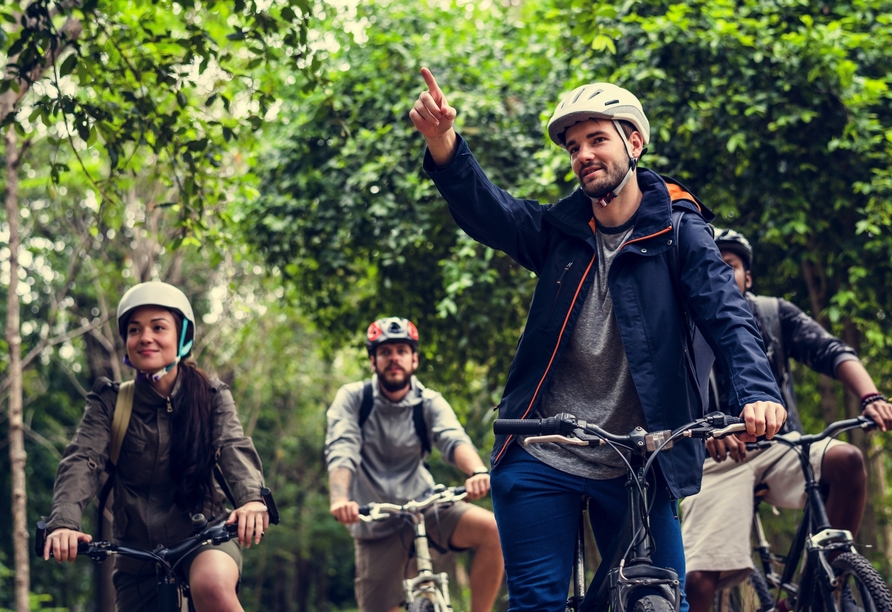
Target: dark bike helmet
{"points": [[391, 329], [729, 240]]}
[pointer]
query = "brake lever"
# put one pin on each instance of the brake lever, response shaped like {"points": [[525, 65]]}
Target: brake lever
{"points": [[557, 439]]}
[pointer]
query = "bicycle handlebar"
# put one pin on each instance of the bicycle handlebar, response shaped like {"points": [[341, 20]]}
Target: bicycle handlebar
{"points": [[831, 431], [552, 429], [379, 511], [216, 533]]}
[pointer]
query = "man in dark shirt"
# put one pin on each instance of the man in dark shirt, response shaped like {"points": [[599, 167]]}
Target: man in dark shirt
{"points": [[713, 559]]}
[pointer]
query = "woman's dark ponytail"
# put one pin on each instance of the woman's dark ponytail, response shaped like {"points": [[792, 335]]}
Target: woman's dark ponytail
{"points": [[192, 446]]}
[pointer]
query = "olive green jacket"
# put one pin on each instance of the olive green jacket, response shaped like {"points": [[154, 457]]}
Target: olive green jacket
{"points": [[144, 509]]}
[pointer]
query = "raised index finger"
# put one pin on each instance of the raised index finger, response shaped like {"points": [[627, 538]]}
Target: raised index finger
{"points": [[432, 86]]}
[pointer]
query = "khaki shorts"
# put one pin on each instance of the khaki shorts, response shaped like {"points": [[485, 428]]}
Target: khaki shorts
{"points": [[716, 523], [139, 592], [382, 564]]}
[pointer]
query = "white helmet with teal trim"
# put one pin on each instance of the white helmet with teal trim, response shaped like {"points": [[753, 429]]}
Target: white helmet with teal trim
{"points": [[167, 296]]}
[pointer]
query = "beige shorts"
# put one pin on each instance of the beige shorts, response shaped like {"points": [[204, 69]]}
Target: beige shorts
{"points": [[382, 564], [139, 592], [716, 523]]}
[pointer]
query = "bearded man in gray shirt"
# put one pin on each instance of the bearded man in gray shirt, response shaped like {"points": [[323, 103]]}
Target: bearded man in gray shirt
{"points": [[378, 455]]}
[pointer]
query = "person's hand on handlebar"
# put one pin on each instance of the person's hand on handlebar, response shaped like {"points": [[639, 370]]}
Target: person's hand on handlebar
{"points": [[252, 519], [880, 412], [762, 419], [63, 544], [729, 446], [345, 511], [477, 486]]}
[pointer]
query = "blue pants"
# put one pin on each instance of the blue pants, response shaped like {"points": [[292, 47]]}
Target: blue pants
{"points": [[537, 509]]}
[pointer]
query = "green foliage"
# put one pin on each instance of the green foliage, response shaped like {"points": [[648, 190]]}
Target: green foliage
{"points": [[170, 81], [348, 216], [776, 114]]}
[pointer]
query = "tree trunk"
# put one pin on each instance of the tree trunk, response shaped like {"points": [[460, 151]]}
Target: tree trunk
{"points": [[14, 339]]}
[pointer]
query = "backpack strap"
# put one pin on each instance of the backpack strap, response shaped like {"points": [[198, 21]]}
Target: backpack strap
{"points": [[421, 427], [120, 422], [123, 410], [768, 311], [368, 402], [698, 353]]}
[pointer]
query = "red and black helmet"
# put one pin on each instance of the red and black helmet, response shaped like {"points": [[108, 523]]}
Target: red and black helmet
{"points": [[391, 329]]}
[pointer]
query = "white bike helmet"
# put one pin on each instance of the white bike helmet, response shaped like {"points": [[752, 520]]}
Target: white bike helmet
{"points": [[601, 101], [166, 296]]}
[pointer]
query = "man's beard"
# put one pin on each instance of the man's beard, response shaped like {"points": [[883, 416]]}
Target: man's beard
{"points": [[394, 385], [614, 175]]}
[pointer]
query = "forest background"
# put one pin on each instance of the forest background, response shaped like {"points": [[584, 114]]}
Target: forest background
{"points": [[259, 155]]}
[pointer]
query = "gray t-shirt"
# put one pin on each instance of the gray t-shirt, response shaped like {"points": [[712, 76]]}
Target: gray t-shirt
{"points": [[592, 380]]}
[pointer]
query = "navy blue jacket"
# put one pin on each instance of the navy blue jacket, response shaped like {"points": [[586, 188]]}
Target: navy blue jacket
{"points": [[557, 242]]}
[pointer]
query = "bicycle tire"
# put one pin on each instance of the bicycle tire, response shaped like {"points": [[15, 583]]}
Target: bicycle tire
{"points": [[751, 595], [653, 603], [422, 604], [862, 588], [759, 583]]}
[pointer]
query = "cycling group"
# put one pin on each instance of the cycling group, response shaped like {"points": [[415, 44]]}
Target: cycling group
{"points": [[636, 298]]}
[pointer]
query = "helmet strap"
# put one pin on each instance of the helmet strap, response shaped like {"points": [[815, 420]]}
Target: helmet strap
{"points": [[633, 163], [184, 349]]}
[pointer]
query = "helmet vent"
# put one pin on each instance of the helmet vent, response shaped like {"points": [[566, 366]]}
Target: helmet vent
{"points": [[597, 91], [611, 102], [577, 96]]}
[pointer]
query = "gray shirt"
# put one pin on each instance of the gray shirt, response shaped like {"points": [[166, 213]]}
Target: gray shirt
{"points": [[385, 455], [592, 380]]}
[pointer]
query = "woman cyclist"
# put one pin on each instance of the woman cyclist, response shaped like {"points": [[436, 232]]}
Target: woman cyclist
{"points": [[182, 424]]}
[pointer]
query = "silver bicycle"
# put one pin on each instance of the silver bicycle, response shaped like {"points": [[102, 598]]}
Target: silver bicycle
{"points": [[428, 591]]}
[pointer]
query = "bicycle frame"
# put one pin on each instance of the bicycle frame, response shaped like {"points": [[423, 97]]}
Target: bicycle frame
{"points": [[426, 583]]}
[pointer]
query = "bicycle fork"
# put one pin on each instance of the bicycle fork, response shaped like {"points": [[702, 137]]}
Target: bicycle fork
{"points": [[426, 583], [640, 573]]}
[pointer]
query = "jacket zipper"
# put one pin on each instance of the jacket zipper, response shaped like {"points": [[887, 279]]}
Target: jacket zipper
{"points": [[560, 283], [169, 405], [550, 361]]}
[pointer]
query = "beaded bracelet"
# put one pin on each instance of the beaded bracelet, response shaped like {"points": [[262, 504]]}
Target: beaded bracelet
{"points": [[871, 398]]}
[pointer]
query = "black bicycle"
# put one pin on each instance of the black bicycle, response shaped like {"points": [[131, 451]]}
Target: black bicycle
{"points": [[171, 586], [632, 582], [834, 576]]}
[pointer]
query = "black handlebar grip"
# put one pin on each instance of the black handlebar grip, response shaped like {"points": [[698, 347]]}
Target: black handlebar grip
{"points": [[526, 427], [40, 538], [267, 497], [365, 510], [458, 490]]}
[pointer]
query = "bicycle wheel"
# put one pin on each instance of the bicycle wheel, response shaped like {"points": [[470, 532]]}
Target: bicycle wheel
{"points": [[861, 588], [422, 604], [753, 595], [653, 603]]}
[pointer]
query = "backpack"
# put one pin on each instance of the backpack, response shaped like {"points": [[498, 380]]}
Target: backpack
{"points": [[698, 353], [368, 402], [767, 311]]}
